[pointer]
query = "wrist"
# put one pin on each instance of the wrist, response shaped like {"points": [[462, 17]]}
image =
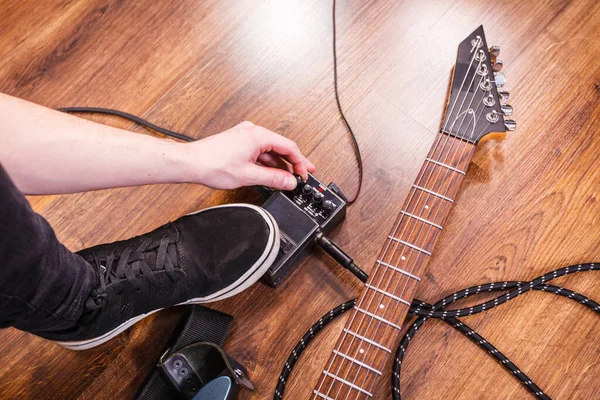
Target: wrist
{"points": [[191, 162], [178, 162]]}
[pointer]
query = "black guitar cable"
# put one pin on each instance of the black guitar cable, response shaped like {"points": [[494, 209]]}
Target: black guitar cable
{"points": [[426, 311], [341, 111], [131, 117]]}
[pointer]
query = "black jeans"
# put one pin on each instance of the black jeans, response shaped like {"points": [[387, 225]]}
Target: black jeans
{"points": [[43, 286]]}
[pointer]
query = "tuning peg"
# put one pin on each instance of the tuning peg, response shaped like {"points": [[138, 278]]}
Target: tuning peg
{"points": [[503, 95], [494, 51], [498, 66], [500, 79], [510, 124], [506, 109]]}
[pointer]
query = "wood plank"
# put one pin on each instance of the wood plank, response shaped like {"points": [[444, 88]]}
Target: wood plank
{"points": [[528, 204]]}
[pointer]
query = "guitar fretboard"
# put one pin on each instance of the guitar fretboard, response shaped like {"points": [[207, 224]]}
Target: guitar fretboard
{"points": [[366, 346]]}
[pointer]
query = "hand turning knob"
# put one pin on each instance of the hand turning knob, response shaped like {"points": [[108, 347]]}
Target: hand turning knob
{"points": [[299, 182]]}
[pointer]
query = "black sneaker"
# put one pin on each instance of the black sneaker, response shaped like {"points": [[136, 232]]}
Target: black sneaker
{"points": [[203, 257]]}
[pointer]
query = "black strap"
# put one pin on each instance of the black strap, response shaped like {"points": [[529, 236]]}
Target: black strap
{"points": [[200, 324]]}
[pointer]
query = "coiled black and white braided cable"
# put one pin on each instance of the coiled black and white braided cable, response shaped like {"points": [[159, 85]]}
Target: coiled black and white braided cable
{"points": [[425, 311]]}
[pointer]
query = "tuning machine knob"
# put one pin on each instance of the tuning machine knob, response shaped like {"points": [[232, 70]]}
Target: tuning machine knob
{"points": [[500, 79], [318, 199], [503, 95], [497, 67], [510, 124], [494, 51], [506, 109]]}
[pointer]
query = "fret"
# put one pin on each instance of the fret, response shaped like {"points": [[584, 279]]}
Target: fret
{"points": [[418, 244], [364, 339], [421, 219], [445, 166], [378, 318], [355, 361], [441, 196], [399, 270], [345, 382], [321, 395], [388, 294], [412, 246]]}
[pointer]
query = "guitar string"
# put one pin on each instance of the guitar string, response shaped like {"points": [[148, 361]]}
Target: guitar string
{"points": [[448, 159], [432, 151], [333, 358], [395, 307], [463, 150], [476, 116], [361, 322], [474, 120], [401, 254], [420, 195], [479, 110]]}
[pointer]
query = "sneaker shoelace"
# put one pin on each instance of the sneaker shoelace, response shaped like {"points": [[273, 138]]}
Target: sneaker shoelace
{"points": [[131, 264]]}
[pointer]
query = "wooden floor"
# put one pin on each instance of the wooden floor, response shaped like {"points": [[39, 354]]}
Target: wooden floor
{"points": [[528, 205]]}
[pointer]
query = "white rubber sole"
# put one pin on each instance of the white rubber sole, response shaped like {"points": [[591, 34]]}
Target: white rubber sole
{"points": [[245, 281]]}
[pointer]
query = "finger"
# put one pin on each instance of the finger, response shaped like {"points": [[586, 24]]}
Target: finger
{"points": [[288, 149], [310, 166], [272, 177], [273, 160]]}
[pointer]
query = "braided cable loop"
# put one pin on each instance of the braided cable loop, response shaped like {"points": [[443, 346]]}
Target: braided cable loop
{"points": [[425, 311]]}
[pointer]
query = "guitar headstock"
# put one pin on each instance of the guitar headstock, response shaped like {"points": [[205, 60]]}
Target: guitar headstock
{"points": [[475, 108]]}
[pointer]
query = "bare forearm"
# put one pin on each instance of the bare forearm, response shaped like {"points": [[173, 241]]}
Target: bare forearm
{"points": [[46, 151]]}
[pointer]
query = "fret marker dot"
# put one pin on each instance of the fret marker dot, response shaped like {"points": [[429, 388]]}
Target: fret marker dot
{"points": [[426, 207], [403, 258], [361, 351], [381, 306]]}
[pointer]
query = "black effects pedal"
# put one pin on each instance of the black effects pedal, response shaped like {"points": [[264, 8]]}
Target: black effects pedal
{"points": [[301, 214]]}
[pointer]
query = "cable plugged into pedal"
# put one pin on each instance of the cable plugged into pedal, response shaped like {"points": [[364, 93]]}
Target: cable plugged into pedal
{"points": [[341, 257], [304, 215]]}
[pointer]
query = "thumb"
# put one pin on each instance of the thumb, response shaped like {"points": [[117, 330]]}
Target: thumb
{"points": [[272, 177]]}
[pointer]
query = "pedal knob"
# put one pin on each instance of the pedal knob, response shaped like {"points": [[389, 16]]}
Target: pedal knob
{"points": [[306, 190], [328, 207], [318, 199], [299, 182]]}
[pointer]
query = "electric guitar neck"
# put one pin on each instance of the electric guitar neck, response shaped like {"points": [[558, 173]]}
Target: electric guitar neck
{"points": [[374, 328]]}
